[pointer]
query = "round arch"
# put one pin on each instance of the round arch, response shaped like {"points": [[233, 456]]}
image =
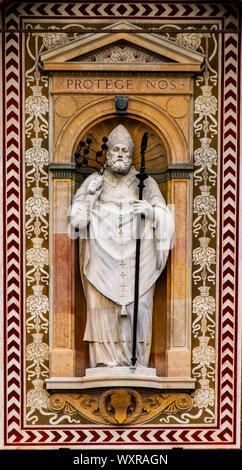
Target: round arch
{"points": [[142, 110]]}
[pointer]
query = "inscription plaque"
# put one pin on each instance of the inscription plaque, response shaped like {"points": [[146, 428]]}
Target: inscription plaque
{"points": [[125, 84]]}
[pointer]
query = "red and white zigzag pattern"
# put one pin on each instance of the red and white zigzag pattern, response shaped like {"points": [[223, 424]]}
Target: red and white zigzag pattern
{"points": [[17, 435], [13, 227], [142, 437], [228, 213], [116, 9]]}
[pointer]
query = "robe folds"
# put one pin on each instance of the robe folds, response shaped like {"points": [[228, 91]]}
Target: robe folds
{"points": [[107, 231]]}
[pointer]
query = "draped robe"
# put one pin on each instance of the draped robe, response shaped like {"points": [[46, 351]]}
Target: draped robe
{"points": [[107, 231]]}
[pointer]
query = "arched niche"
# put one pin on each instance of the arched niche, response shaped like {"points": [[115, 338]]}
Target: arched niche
{"points": [[143, 110], [156, 153], [171, 339], [156, 161]]}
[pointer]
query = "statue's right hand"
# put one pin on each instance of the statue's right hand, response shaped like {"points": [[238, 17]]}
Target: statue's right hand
{"points": [[95, 185]]}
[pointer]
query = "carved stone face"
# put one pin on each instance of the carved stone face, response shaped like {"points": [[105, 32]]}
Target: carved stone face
{"points": [[119, 159]]}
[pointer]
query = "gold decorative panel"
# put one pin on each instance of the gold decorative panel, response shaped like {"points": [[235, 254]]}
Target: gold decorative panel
{"points": [[120, 406]]}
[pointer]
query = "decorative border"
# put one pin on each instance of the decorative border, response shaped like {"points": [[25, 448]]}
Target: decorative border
{"points": [[12, 214], [229, 230], [129, 9], [15, 432]]}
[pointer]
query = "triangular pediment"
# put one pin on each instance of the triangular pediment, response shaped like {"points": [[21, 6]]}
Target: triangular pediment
{"points": [[122, 52], [127, 47]]}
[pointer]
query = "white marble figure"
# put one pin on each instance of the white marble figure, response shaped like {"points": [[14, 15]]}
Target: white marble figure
{"points": [[105, 210]]}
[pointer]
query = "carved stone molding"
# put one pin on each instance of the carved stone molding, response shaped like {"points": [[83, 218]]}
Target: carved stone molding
{"points": [[120, 406], [176, 171]]}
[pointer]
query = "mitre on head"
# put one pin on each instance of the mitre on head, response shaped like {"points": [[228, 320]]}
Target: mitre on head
{"points": [[120, 135]]}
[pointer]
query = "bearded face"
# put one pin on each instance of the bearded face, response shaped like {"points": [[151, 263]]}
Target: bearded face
{"points": [[119, 159]]}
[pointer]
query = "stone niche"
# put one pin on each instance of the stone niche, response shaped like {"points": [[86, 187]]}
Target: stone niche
{"points": [[157, 76]]}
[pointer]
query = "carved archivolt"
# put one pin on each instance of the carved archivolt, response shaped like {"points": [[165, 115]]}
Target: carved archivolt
{"points": [[100, 109], [120, 406]]}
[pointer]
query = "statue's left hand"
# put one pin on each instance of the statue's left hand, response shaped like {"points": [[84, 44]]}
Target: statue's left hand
{"points": [[143, 208], [95, 186]]}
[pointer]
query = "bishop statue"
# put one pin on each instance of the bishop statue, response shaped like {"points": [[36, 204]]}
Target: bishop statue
{"points": [[104, 211]]}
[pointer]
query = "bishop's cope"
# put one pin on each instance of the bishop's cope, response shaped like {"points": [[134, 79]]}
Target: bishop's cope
{"points": [[104, 212]]}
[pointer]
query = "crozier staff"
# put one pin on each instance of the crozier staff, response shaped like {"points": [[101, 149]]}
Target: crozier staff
{"points": [[142, 177], [105, 210]]}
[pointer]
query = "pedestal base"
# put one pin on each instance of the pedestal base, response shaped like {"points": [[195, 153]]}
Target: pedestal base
{"points": [[105, 377], [124, 372]]}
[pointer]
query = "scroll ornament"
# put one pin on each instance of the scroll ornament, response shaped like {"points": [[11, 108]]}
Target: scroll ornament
{"points": [[120, 406]]}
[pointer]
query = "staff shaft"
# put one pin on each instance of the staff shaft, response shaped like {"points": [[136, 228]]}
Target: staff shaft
{"points": [[136, 284], [141, 176]]}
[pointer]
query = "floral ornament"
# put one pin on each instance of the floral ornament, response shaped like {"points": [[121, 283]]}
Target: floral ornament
{"points": [[204, 396], [203, 305], [203, 308], [125, 54], [37, 257], [205, 157], [36, 157], [37, 207], [206, 108], [204, 205], [204, 256], [203, 355], [37, 305], [36, 104], [37, 351], [51, 39], [38, 397], [205, 105], [190, 40]]}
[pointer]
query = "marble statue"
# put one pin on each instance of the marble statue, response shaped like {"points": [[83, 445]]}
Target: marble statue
{"points": [[104, 211]]}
